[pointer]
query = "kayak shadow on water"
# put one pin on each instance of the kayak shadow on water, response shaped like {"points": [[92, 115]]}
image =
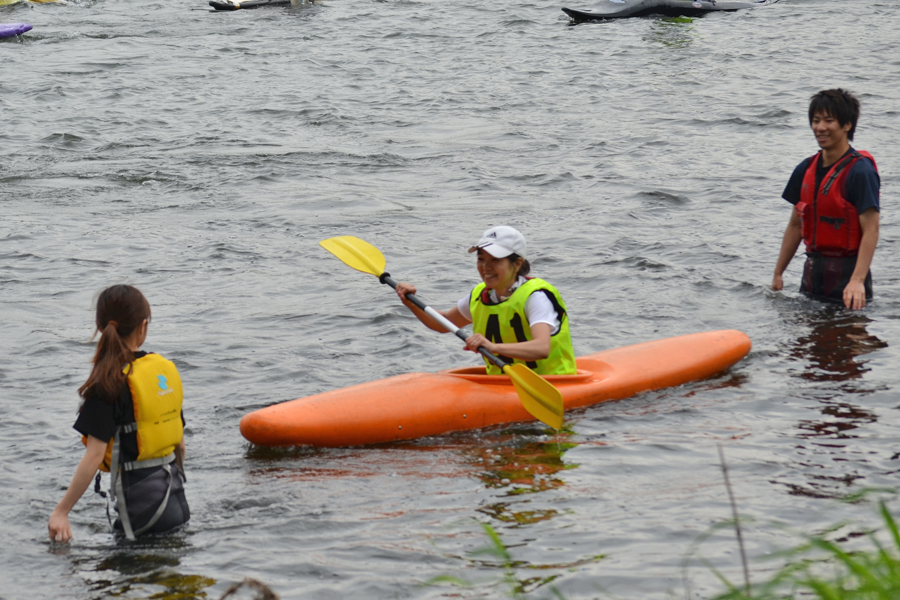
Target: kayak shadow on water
{"points": [[514, 460]]}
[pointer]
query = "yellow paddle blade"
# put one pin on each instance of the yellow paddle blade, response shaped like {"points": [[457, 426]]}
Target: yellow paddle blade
{"points": [[538, 395], [356, 253]]}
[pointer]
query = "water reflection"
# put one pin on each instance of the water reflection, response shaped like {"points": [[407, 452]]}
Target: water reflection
{"points": [[143, 569], [513, 461], [836, 338], [834, 380], [522, 467], [674, 32], [511, 464]]}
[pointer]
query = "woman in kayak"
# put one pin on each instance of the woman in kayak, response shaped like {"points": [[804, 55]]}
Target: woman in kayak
{"points": [[131, 425], [520, 318]]}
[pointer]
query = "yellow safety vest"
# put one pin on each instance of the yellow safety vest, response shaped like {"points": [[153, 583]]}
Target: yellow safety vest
{"points": [[506, 323], [157, 397]]}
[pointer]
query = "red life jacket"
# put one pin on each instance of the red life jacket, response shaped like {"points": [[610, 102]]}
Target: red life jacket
{"points": [[829, 223]]}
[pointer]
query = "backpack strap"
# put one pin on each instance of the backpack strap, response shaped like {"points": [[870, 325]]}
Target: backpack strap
{"points": [[117, 487], [162, 505]]}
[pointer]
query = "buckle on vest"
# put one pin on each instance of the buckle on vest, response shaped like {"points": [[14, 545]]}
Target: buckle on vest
{"points": [[833, 221]]}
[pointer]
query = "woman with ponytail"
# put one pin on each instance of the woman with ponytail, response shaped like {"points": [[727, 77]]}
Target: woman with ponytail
{"points": [[131, 424]]}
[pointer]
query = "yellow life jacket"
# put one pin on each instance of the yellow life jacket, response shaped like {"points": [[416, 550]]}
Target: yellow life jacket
{"points": [[507, 323], [157, 397]]}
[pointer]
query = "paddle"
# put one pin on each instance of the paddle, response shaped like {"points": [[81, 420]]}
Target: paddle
{"points": [[538, 395]]}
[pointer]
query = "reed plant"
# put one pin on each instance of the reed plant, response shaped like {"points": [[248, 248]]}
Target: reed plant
{"points": [[816, 569], [828, 570], [498, 557], [498, 550]]}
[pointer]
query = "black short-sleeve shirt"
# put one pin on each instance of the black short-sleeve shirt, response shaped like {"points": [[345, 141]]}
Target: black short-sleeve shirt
{"points": [[862, 187], [97, 417]]}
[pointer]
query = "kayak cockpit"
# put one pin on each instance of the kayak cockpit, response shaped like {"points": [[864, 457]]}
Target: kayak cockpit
{"points": [[479, 375]]}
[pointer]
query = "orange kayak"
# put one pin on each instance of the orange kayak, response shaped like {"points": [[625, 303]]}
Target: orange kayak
{"points": [[423, 404]]}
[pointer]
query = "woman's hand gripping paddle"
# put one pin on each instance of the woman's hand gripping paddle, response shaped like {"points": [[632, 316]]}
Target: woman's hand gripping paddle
{"points": [[538, 395]]}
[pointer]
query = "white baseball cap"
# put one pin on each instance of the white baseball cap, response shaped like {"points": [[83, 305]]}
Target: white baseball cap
{"points": [[501, 241]]}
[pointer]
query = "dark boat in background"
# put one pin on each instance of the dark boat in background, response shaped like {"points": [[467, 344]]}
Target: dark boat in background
{"points": [[621, 9]]}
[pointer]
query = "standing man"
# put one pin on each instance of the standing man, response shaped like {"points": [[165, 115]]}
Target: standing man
{"points": [[836, 207]]}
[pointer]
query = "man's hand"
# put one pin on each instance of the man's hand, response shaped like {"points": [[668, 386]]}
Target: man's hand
{"points": [[855, 295], [789, 244], [855, 292]]}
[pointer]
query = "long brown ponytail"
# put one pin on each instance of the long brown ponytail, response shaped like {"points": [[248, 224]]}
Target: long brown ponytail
{"points": [[121, 309]]}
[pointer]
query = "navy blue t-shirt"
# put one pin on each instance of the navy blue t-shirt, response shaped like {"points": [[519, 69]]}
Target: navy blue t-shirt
{"points": [[862, 187]]}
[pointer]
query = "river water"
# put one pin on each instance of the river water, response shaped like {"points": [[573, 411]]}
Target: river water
{"points": [[201, 156]]}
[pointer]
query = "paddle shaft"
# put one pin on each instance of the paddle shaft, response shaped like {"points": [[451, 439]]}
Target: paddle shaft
{"points": [[447, 323]]}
